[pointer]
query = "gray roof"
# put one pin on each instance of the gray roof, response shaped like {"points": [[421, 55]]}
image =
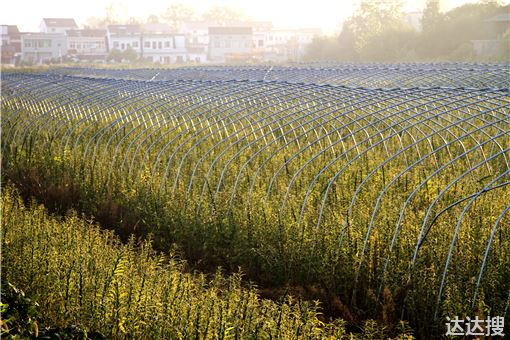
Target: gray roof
{"points": [[59, 22], [10, 30], [157, 28], [92, 33], [253, 24], [124, 29], [198, 25], [230, 30]]}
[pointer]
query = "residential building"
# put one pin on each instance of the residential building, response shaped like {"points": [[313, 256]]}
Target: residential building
{"points": [[289, 44], [230, 44], [261, 31], [197, 41], [196, 34], [10, 44], [492, 40], [43, 47], [57, 25], [163, 45], [305, 37], [87, 44], [124, 37]]}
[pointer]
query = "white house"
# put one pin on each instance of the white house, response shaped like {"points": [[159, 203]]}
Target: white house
{"points": [[10, 47], [57, 25], [261, 31], [41, 47], [290, 44], [87, 44], [162, 45], [124, 37], [491, 40], [197, 40], [230, 44]]}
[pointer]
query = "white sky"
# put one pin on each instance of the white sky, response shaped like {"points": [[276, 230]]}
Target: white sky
{"points": [[325, 14]]}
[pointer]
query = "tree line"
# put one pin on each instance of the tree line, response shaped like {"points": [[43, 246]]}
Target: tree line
{"points": [[378, 32], [174, 15]]}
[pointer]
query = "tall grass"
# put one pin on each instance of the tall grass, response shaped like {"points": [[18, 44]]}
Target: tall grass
{"points": [[83, 276]]}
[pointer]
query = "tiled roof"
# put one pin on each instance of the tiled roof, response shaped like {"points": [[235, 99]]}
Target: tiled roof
{"points": [[198, 25], [11, 30], [230, 30], [124, 29], [93, 33], [157, 28], [59, 22]]}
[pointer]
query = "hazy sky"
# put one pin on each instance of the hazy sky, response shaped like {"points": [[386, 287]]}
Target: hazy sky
{"points": [[325, 14]]}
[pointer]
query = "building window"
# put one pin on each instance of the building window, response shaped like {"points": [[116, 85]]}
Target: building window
{"points": [[217, 43], [122, 46], [167, 44], [115, 44], [147, 44], [154, 45], [261, 43], [44, 43], [135, 44], [128, 45], [227, 43], [28, 43]]}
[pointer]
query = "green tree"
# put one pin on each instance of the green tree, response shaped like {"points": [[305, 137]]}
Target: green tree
{"points": [[451, 36], [130, 55], [223, 15], [115, 55], [394, 44], [114, 13], [153, 19], [178, 13], [371, 19], [323, 49], [346, 43], [133, 21], [431, 15], [504, 51], [377, 32]]}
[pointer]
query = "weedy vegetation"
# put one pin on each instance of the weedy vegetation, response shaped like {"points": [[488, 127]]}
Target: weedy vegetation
{"points": [[385, 204]]}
